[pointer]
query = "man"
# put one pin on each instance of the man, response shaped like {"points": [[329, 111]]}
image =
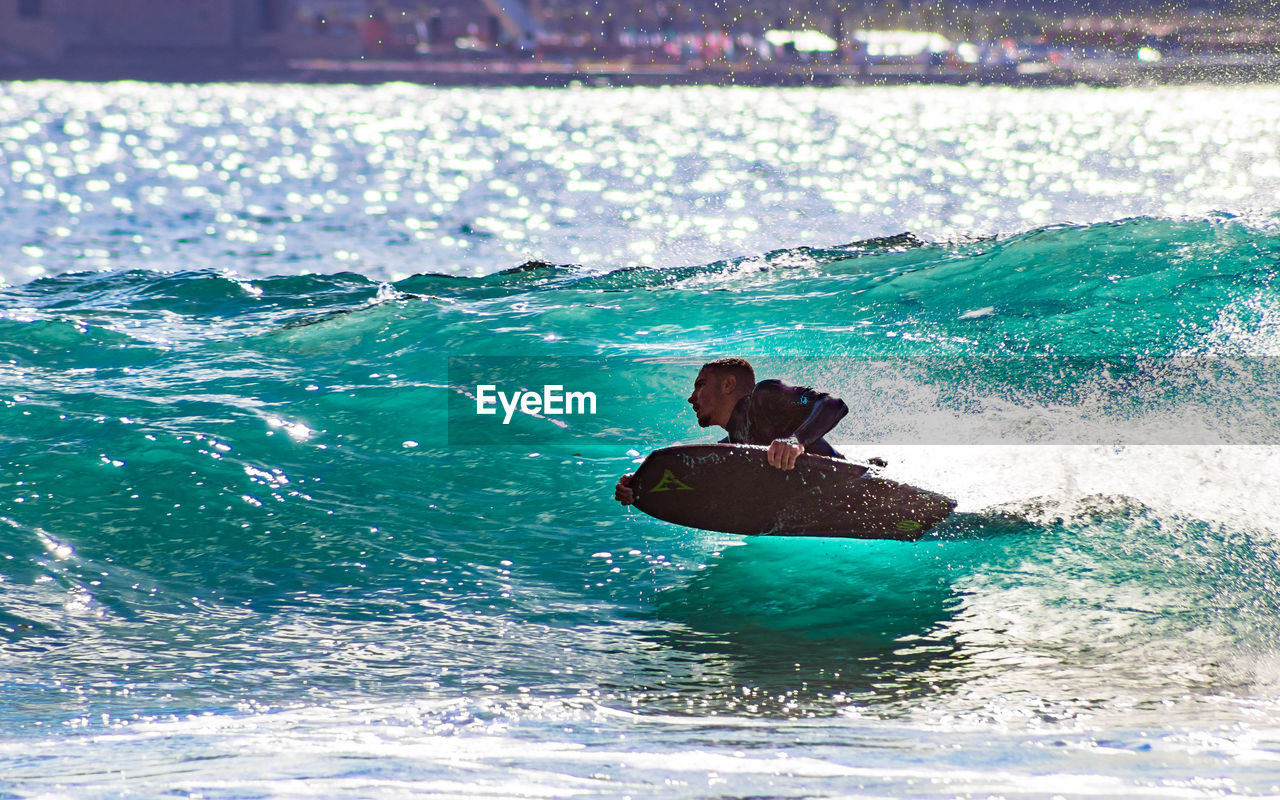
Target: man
{"points": [[789, 419]]}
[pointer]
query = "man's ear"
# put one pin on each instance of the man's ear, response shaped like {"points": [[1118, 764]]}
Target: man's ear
{"points": [[728, 384]]}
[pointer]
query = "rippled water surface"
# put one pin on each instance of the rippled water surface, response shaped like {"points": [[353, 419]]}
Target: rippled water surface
{"points": [[401, 179], [243, 552]]}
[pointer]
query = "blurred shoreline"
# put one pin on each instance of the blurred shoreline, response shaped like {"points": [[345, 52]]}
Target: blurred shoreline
{"points": [[462, 72], [624, 43]]}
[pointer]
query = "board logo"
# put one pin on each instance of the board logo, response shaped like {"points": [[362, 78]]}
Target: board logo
{"points": [[670, 483], [908, 525]]}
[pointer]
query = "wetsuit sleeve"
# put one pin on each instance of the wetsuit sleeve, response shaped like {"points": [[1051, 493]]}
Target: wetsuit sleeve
{"points": [[823, 410], [827, 411]]}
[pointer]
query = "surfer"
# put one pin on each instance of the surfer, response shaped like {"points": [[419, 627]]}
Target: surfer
{"points": [[791, 420]]}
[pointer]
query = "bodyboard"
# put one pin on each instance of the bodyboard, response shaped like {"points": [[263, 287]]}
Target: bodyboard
{"points": [[731, 488]]}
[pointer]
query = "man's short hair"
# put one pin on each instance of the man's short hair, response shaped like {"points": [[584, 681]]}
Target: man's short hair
{"points": [[739, 368]]}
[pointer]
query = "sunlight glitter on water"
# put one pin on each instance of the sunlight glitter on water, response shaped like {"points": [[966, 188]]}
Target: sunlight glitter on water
{"points": [[402, 179]]}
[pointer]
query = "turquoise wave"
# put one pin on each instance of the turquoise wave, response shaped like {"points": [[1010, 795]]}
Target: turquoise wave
{"points": [[214, 485]]}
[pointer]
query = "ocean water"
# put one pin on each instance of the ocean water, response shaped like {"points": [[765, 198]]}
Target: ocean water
{"points": [[254, 542]]}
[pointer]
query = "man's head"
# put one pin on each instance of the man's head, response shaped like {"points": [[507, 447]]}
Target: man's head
{"points": [[718, 388]]}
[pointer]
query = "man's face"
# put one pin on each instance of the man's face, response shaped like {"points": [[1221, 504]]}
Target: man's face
{"points": [[711, 399]]}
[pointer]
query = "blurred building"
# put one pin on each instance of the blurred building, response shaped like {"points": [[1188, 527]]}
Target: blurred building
{"points": [[52, 29], [176, 37]]}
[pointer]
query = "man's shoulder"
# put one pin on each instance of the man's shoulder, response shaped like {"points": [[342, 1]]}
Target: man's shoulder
{"points": [[775, 386], [775, 391], [770, 385]]}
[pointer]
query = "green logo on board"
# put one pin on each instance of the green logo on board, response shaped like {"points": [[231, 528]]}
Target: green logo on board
{"points": [[670, 483], [908, 525]]}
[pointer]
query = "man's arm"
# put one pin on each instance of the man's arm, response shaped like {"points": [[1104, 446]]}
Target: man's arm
{"points": [[826, 412]]}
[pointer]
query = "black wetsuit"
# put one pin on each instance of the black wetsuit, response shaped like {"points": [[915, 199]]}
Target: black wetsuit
{"points": [[774, 410]]}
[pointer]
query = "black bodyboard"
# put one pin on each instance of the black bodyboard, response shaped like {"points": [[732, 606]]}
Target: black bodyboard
{"points": [[731, 488]]}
